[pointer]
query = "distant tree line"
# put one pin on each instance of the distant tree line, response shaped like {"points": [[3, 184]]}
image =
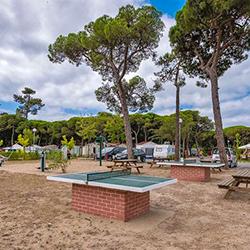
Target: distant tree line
{"points": [[196, 131]]}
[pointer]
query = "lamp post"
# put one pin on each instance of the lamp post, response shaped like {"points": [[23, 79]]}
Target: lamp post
{"points": [[180, 122], [34, 134]]}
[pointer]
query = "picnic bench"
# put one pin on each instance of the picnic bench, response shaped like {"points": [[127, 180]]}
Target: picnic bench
{"points": [[232, 184], [125, 164]]}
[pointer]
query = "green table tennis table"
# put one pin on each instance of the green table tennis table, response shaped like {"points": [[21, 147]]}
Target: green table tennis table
{"points": [[116, 194]]}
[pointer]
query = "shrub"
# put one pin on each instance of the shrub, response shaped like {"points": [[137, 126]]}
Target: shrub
{"points": [[20, 155]]}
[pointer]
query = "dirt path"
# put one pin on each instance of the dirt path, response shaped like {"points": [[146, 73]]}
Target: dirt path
{"points": [[36, 214]]}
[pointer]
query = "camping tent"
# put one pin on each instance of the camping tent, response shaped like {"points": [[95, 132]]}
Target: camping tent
{"points": [[147, 147], [246, 153], [15, 147], [245, 146]]}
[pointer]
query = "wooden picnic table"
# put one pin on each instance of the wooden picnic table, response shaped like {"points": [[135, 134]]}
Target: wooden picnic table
{"points": [[125, 164], [233, 183]]}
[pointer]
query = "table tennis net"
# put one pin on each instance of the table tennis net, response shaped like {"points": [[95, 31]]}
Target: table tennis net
{"points": [[104, 175]]}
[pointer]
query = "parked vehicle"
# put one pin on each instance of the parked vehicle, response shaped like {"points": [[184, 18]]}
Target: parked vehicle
{"points": [[231, 157], [163, 151], [138, 154], [110, 154], [104, 152]]}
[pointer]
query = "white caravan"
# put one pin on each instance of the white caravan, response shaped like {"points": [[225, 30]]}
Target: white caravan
{"points": [[163, 151]]}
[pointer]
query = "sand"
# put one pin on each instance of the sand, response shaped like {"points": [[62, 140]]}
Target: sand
{"points": [[37, 214]]}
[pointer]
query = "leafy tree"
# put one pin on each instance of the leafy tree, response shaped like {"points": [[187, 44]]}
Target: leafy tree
{"points": [[28, 104], [192, 128], [202, 124], [8, 125], [237, 145], [172, 71], [137, 123], [68, 143], [207, 141], [1, 143], [243, 131], [114, 47], [114, 129], [25, 139], [57, 160], [138, 96], [211, 36], [166, 132], [152, 121], [86, 129]]}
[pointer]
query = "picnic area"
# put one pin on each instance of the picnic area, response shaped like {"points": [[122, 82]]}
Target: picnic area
{"points": [[186, 215]]}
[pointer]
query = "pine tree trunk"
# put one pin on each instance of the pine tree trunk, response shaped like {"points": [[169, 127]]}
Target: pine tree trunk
{"points": [[217, 118], [183, 147], [136, 137], [12, 135], [127, 125], [145, 134], [177, 124]]}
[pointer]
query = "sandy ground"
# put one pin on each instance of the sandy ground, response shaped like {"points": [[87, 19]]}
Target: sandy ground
{"points": [[37, 214]]}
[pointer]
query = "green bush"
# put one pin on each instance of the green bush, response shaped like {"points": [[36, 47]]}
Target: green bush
{"points": [[57, 160], [20, 155]]}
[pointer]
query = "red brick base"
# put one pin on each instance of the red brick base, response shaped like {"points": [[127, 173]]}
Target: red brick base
{"points": [[109, 203], [190, 173]]}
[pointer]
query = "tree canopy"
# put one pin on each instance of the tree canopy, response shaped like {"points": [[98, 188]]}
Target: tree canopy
{"points": [[27, 103], [210, 34], [139, 97], [197, 130], [114, 47]]}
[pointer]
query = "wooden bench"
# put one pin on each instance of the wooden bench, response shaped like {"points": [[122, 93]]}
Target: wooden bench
{"points": [[233, 184], [226, 183]]}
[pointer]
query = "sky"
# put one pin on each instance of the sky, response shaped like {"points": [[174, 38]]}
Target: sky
{"points": [[27, 27]]}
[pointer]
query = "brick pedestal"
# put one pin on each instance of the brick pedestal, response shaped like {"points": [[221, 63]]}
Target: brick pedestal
{"points": [[109, 203], [189, 173]]}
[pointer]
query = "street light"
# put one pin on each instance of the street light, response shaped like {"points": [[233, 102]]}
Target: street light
{"points": [[34, 134], [180, 122]]}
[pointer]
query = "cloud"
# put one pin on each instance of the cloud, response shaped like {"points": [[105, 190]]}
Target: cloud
{"points": [[28, 27]]}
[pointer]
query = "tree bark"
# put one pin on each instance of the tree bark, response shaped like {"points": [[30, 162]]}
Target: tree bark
{"points": [[127, 125], [136, 136], [217, 117], [177, 124], [183, 147], [12, 135]]}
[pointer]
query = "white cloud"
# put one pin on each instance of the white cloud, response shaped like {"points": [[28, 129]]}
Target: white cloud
{"points": [[28, 27]]}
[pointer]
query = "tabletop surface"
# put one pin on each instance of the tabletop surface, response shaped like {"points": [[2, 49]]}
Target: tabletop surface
{"points": [[115, 180], [195, 164], [244, 173]]}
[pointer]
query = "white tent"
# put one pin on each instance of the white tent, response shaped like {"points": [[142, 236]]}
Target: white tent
{"points": [[147, 147], [13, 148], [245, 146]]}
